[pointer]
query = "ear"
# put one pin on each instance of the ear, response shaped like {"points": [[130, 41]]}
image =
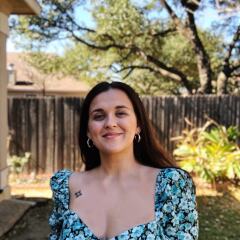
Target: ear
{"points": [[88, 135], [138, 130]]}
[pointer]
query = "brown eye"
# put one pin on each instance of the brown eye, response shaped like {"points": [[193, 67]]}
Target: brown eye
{"points": [[98, 117], [121, 114]]}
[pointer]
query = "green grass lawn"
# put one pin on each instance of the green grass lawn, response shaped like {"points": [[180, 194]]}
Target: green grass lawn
{"points": [[219, 216]]}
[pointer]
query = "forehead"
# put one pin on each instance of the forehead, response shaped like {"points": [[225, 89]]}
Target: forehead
{"points": [[111, 99]]}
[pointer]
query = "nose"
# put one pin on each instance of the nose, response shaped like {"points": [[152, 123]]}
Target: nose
{"points": [[110, 121]]}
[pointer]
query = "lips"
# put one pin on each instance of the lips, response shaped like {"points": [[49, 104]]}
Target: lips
{"points": [[111, 135]]}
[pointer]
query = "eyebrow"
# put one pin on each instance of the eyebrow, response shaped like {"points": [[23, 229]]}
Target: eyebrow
{"points": [[101, 110]]}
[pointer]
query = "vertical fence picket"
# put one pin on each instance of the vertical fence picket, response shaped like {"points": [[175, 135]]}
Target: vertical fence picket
{"points": [[48, 127]]}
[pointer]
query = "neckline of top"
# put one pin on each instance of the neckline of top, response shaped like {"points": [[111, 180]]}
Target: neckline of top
{"points": [[92, 233]]}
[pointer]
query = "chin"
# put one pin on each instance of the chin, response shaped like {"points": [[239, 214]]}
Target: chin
{"points": [[114, 150]]}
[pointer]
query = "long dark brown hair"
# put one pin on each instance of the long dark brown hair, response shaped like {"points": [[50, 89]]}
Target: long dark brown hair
{"points": [[148, 151]]}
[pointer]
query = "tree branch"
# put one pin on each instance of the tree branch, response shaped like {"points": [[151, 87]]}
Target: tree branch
{"points": [[235, 75], [129, 72], [132, 68], [228, 70], [135, 67], [94, 46], [161, 69], [171, 13], [171, 72], [204, 66], [235, 67], [164, 33], [190, 32], [127, 55], [232, 46]]}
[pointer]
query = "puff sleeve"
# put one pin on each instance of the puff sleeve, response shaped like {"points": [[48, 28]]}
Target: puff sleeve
{"points": [[178, 212], [59, 187]]}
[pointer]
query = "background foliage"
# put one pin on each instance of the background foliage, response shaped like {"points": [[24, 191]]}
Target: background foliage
{"points": [[158, 47], [211, 151]]}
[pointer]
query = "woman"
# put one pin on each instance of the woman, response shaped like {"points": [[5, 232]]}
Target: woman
{"points": [[131, 189]]}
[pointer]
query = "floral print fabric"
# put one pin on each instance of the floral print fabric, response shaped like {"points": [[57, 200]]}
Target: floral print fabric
{"points": [[176, 217]]}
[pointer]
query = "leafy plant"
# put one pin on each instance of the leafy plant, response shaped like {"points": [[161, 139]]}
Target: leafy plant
{"points": [[17, 163], [210, 151]]}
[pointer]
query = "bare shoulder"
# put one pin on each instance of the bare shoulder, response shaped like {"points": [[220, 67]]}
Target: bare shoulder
{"points": [[148, 174], [149, 171], [79, 179]]}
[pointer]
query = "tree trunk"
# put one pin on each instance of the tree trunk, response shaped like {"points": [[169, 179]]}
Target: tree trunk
{"points": [[227, 70], [222, 80], [203, 62], [189, 30], [204, 75], [221, 83]]}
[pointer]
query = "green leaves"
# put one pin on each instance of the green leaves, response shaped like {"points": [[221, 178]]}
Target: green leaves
{"points": [[211, 152], [128, 33], [17, 163]]}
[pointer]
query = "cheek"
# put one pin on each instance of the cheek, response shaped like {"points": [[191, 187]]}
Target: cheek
{"points": [[130, 124], [93, 128]]}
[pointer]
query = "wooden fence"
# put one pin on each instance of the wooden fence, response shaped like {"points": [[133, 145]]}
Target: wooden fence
{"points": [[48, 127]]}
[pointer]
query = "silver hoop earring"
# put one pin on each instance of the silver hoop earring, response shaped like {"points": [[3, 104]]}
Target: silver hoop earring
{"points": [[89, 143], [138, 137]]}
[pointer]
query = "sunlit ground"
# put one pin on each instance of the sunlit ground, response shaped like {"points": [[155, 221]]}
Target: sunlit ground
{"points": [[219, 212], [30, 186]]}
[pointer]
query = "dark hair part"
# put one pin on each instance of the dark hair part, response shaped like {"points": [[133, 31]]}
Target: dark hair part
{"points": [[148, 151]]}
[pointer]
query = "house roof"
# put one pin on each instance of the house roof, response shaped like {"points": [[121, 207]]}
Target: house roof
{"points": [[20, 7], [27, 73]]}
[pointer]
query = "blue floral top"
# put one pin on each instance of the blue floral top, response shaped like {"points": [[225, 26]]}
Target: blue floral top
{"points": [[175, 211]]}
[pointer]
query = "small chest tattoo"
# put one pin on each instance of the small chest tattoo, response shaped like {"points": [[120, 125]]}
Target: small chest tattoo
{"points": [[78, 194]]}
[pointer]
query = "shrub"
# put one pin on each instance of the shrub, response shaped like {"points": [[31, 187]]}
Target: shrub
{"points": [[17, 163], [210, 151]]}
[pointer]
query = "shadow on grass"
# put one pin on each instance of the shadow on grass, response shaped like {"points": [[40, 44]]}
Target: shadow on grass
{"points": [[34, 224], [219, 217]]}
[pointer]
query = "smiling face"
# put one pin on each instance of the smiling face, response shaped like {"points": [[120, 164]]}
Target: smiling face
{"points": [[112, 122]]}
